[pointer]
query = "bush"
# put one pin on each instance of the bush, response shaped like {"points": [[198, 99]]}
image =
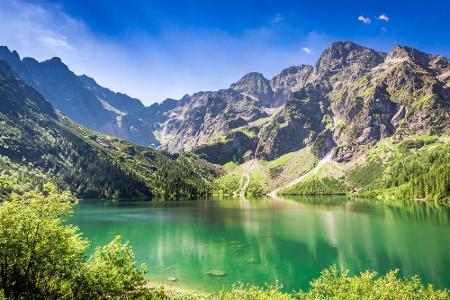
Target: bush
{"points": [[42, 257], [335, 284], [249, 292], [111, 270]]}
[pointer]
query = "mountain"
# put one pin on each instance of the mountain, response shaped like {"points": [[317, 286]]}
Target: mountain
{"points": [[81, 99], [360, 121], [33, 134], [229, 118], [352, 98], [349, 100]]}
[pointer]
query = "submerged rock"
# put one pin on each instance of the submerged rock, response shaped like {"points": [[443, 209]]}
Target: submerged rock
{"points": [[216, 272], [252, 261]]}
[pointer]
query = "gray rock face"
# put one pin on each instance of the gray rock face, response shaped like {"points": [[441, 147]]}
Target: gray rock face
{"points": [[346, 56], [207, 117], [289, 80], [296, 125], [257, 86]]}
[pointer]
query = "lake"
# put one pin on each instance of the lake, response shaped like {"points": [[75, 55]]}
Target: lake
{"points": [[268, 240]]}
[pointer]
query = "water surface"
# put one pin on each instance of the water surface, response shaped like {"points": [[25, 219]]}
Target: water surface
{"points": [[268, 240]]}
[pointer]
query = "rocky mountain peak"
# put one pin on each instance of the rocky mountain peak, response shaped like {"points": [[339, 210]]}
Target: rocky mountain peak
{"points": [[256, 85], [251, 81], [289, 80], [404, 53], [4, 51], [88, 81], [11, 57], [56, 62], [341, 55]]}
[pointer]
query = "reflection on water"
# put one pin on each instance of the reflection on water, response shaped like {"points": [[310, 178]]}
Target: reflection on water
{"points": [[265, 240]]}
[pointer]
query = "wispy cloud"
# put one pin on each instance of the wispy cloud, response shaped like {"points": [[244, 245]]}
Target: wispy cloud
{"points": [[365, 20], [383, 17], [278, 19], [171, 64], [307, 50]]}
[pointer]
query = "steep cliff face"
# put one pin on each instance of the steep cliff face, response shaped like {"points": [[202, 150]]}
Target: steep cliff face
{"points": [[298, 124], [289, 80], [207, 117]]}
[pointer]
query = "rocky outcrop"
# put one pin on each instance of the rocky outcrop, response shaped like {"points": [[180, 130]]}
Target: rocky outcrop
{"points": [[236, 147], [289, 80], [257, 86], [207, 117]]}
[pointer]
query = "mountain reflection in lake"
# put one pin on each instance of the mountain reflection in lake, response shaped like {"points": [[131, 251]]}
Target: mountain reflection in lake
{"points": [[288, 240]]}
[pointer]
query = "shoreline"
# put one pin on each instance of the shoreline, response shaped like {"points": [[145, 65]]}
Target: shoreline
{"points": [[174, 290]]}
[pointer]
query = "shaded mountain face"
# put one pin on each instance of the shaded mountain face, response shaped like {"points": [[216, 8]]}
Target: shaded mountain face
{"points": [[91, 165], [83, 100]]}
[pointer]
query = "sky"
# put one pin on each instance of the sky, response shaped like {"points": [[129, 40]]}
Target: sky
{"points": [[154, 50]]}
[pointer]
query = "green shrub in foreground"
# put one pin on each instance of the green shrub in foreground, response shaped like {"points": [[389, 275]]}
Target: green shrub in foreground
{"points": [[42, 257], [336, 284]]}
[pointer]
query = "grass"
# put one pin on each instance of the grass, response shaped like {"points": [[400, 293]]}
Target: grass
{"points": [[267, 175], [325, 180]]}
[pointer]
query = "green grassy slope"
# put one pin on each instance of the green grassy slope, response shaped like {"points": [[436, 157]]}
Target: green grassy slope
{"points": [[267, 174], [417, 167]]}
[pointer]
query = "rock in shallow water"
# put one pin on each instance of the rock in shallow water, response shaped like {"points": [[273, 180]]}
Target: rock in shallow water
{"points": [[216, 272]]}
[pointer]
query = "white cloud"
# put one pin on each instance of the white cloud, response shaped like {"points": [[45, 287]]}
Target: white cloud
{"points": [[383, 17], [307, 50], [365, 20], [55, 41]]}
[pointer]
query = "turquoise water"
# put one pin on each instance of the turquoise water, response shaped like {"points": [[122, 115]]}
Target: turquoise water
{"points": [[267, 240]]}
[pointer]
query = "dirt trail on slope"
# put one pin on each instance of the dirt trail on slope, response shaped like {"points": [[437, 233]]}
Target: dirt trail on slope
{"points": [[245, 178], [327, 158]]}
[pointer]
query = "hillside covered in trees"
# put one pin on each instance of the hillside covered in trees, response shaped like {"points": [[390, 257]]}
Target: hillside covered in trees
{"points": [[33, 134]]}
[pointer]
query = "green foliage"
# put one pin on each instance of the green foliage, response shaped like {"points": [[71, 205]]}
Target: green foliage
{"points": [[249, 132], [42, 257], [39, 255], [248, 292], [363, 176], [417, 168], [111, 270], [95, 166], [275, 171], [255, 188], [317, 186], [335, 284]]}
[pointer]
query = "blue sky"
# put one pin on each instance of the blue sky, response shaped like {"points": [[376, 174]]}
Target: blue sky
{"points": [[158, 49]]}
